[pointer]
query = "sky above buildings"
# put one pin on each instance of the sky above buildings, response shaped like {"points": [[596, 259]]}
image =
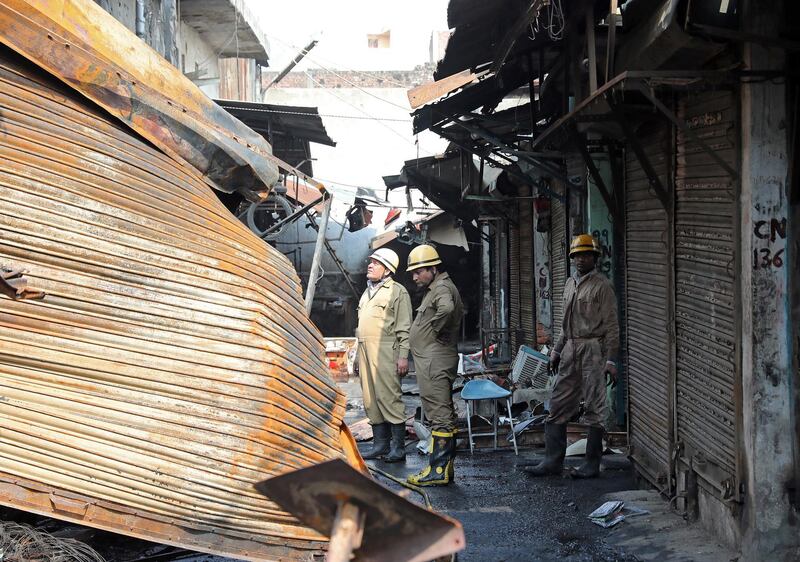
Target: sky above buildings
{"points": [[372, 128], [342, 28]]}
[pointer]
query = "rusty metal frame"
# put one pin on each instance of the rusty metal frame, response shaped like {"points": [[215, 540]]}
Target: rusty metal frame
{"points": [[581, 143], [109, 516], [644, 161], [647, 92], [89, 50], [509, 169]]}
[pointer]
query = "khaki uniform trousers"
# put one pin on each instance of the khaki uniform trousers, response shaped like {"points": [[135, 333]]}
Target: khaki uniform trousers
{"points": [[380, 384], [435, 376], [384, 320], [580, 376]]}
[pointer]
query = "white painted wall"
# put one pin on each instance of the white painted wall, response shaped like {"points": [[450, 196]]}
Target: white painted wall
{"points": [[194, 53]]}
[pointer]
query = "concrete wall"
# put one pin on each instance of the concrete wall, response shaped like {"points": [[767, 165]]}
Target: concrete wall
{"points": [[599, 222], [198, 57], [770, 530], [544, 294], [123, 10], [160, 23]]}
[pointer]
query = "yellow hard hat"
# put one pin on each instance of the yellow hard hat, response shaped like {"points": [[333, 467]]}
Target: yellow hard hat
{"points": [[387, 257], [423, 256], [584, 243]]}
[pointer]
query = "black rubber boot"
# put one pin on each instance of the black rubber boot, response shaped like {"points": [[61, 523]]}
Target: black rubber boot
{"points": [[397, 446], [594, 452], [380, 441], [440, 471], [555, 442]]}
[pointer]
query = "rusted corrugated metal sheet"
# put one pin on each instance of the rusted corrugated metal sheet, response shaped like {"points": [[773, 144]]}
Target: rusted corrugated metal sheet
{"points": [[648, 308], [171, 364], [84, 46], [706, 260]]}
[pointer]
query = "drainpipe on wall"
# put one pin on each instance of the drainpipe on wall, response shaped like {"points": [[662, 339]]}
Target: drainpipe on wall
{"points": [[140, 21]]}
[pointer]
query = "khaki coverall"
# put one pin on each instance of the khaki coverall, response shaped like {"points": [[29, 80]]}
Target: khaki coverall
{"points": [[384, 320], [589, 338], [434, 345]]}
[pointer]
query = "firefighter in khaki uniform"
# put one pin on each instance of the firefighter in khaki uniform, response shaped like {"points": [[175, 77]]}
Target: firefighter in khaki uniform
{"points": [[584, 355], [434, 340], [384, 319]]}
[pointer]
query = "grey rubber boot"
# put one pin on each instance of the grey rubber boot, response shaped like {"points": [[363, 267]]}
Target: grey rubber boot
{"points": [[380, 441], [555, 441], [594, 453], [397, 446]]}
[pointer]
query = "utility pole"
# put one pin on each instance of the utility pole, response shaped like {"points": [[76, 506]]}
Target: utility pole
{"points": [[303, 52]]}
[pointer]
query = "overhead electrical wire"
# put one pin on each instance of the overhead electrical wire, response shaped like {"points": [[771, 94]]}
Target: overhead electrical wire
{"points": [[334, 63], [330, 91]]}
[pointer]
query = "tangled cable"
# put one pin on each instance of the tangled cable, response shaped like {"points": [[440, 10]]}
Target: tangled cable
{"points": [[20, 543]]}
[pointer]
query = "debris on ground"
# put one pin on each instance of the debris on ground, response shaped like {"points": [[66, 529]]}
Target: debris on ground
{"points": [[20, 543], [361, 430], [614, 512]]}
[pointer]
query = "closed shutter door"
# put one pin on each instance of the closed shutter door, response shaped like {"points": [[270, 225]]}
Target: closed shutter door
{"points": [[558, 258], [706, 262], [526, 269], [647, 317], [513, 293]]}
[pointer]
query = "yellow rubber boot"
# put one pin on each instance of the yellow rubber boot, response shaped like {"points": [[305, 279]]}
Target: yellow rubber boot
{"points": [[439, 471]]}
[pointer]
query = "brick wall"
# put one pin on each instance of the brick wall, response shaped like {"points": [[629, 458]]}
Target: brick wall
{"points": [[347, 78]]}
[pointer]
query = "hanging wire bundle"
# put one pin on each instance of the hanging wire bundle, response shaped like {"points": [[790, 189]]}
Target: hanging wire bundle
{"points": [[552, 21], [20, 543]]}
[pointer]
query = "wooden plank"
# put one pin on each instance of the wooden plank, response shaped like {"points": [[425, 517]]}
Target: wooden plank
{"points": [[434, 90]]}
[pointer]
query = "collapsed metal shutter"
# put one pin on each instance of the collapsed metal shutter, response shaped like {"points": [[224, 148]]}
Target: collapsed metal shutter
{"points": [[647, 310], [558, 257], [707, 375], [527, 284], [171, 363]]}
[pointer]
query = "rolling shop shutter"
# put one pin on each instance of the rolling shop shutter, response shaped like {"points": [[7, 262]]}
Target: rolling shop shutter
{"points": [[707, 374], [647, 312], [527, 284], [558, 257], [514, 319]]}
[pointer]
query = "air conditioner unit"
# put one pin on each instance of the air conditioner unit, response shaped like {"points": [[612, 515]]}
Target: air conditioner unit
{"points": [[530, 368]]}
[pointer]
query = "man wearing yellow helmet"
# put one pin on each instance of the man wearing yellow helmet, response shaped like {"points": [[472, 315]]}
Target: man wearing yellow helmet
{"points": [[434, 341], [384, 320], [585, 352]]}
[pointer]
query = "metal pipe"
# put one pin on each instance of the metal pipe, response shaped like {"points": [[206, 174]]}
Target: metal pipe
{"points": [[141, 25], [315, 262], [294, 216]]}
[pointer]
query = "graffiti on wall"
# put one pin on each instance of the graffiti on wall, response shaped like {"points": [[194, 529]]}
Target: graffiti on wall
{"points": [[604, 265], [769, 245]]}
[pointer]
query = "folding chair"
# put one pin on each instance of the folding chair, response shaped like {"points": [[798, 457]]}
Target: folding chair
{"points": [[476, 390]]}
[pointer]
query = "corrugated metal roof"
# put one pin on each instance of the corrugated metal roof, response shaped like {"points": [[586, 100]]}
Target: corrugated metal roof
{"points": [[171, 364], [297, 121]]}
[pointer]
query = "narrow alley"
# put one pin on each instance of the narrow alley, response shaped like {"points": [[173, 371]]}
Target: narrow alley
{"points": [[433, 280]]}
